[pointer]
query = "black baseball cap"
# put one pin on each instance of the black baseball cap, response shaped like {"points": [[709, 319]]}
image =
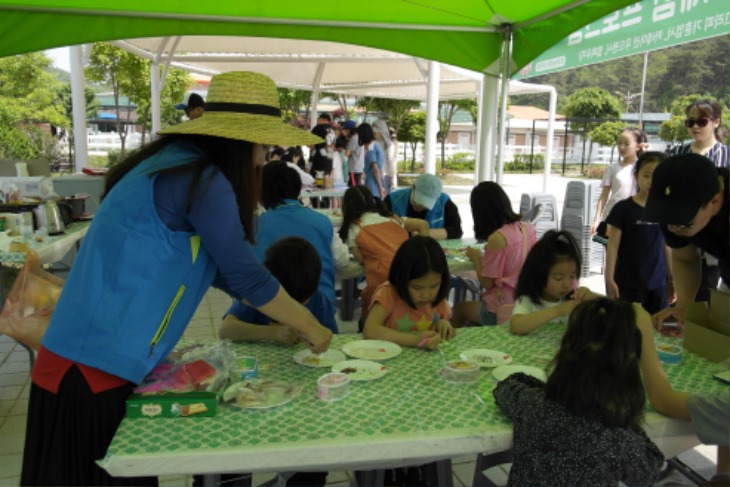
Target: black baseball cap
{"points": [[680, 186]]}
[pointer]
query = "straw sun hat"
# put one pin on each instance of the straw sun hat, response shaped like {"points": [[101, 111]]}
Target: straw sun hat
{"points": [[244, 106]]}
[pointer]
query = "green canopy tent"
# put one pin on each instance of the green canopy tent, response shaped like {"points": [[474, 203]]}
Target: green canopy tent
{"points": [[494, 37]]}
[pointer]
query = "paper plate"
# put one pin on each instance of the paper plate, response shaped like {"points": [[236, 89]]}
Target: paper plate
{"points": [[324, 359], [372, 349], [504, 371], [361, 369], [487, 358], [261, 393]]}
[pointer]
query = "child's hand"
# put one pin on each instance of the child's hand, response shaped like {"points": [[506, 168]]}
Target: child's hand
{"points": [[284, 334], [444, 329], [583, 294], [428, 340], [473, 253]]}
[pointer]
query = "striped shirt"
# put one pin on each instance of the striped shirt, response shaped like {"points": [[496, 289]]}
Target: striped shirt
{"points": [[718, 153]]}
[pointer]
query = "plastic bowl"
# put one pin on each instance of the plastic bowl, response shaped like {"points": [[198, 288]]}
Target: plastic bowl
{"points": [[461, 372], [333, 386]]}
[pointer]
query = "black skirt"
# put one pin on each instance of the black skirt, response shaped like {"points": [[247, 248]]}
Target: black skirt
{"points": [[67, 432]]}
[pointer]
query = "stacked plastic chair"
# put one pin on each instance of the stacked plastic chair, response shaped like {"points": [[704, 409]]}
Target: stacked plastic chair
{"points": [[579, 211], [548, 219]]}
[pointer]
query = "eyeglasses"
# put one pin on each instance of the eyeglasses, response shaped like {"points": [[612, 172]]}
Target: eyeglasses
{"points": [[701, 122]]}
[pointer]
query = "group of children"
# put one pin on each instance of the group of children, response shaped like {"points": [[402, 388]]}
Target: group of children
{"points": [[584, 423]]}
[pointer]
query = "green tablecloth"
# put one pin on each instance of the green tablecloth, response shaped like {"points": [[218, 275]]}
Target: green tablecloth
{"points": [[52, 249], [408, 415]]}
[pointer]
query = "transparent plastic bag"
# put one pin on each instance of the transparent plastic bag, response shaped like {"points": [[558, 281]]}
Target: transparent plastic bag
{"points": [[30, 303]]}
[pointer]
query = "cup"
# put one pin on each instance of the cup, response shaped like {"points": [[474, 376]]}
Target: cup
{"points": [[245, 368], [461, 372], [333, 386], [670, 349]]}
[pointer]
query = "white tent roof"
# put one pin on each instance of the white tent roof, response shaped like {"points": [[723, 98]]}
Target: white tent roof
{"points": [[304, 64]]}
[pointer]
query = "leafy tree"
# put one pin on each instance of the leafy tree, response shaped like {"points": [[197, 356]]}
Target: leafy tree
{"points": [[28, 96], [392, 110], [126, 74], [176, 83], [607, 134], [590, 106], [291, 102], [413, 131], [447, 110]]}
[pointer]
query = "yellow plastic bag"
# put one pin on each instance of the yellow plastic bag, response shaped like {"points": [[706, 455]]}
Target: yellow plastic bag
{"points": [[30, 303]]}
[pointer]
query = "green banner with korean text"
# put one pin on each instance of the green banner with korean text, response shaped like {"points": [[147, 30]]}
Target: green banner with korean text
{"points": [[644, 26]]}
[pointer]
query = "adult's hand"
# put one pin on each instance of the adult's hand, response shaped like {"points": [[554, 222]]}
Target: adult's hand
{"points": [[643, 320], [316, 338], [669, 315], [611, 289]]}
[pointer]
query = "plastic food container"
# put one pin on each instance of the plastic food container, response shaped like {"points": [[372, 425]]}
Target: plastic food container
{"points": [[669, 354], [246, 368], [333, 386], [461, 372]]}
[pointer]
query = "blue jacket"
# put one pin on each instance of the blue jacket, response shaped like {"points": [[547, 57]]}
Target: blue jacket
{"points": [[291, 219], [135, 284], [399, 201]]}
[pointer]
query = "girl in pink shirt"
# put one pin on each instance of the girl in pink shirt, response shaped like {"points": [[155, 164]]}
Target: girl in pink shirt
{"points": [[410, 309]]}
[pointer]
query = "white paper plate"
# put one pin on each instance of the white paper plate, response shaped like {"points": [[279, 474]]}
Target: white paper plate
{"points": [[372, 349], [361, 369], [261, 393], [486, 358], [325, 359], [504, 371]]}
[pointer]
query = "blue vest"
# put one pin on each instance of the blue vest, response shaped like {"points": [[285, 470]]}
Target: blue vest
{"points": [[135, 284], [291, 219], [399, 201]]}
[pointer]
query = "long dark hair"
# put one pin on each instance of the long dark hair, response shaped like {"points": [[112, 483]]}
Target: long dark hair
{"points": [[415, 258], [233, 158], [552, 248], [491, 209], [357, 201], [365, 134], [596, 371]]}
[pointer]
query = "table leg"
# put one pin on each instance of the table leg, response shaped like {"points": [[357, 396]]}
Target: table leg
{"points": [[370, 478], [347, 288]]}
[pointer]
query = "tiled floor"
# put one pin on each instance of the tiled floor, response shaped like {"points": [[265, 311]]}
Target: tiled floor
{"points": [[14, 369]]}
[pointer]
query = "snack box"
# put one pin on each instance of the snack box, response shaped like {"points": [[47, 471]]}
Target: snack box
{"points": [[707, 332], [173, 404]]}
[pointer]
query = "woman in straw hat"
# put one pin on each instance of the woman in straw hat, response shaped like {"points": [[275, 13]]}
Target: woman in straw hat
{"points": [[177, 217]]}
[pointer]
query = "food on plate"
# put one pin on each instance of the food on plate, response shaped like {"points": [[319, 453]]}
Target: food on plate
{"points": [[311, 360], [349, 370]]}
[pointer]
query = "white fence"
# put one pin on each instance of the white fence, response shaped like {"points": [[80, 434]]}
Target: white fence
{"points": [[101, 143]]}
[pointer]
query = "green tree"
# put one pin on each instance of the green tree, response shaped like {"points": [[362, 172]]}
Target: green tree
{"points": [[591, 106], [413, 131], [394, 111], [177, 83], [28, 97], [127, 75], [447, 110], [92, 107], [607, 134], [291, 102]]}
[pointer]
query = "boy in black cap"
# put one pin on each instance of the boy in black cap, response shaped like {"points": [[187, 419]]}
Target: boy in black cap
{"points": [[689, 199], [193, 104]]}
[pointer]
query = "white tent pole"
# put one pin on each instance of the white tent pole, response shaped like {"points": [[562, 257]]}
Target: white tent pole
{"points": [[432, 113], [549, 142], [478, 129], [487, 116], [78, 104], [155, 90], [316, 82], [504, 76]]}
